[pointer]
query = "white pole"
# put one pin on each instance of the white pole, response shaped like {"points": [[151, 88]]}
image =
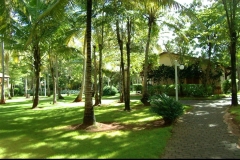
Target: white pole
{"points": [[176, 83]]}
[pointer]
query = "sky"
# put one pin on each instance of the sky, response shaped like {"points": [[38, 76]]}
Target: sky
{"points": [[166, 35], [190, 1], [184, 1]]}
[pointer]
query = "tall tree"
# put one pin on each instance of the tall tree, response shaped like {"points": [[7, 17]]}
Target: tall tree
{"points": [[122, 77], [231, 9], [128, 47], [89, 117], [98, 95]]}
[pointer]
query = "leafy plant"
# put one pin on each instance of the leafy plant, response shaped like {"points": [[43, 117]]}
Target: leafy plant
{"points": [[109, 91], [167, 107], [197, 90], [137, 87], [226, 85]]}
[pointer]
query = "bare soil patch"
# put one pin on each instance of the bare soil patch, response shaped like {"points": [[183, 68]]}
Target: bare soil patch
{"points": [[109, 126], [233, 126]]}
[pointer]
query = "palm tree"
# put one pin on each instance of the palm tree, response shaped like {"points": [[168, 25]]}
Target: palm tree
{"points": [[39, 19], [151, 9]]}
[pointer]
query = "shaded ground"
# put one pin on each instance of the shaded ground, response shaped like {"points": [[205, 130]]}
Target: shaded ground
{"points": [[98, 127], [233, 126]]}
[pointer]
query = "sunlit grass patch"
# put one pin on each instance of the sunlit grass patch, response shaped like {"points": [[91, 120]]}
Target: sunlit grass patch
{"points": [[236, 112]]}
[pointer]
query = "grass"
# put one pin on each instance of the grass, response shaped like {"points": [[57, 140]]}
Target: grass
{"points": [[236, 112], [43, 132]]}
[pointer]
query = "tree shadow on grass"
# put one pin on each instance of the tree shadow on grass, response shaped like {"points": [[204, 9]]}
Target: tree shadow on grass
{"points": [[109, 126]]}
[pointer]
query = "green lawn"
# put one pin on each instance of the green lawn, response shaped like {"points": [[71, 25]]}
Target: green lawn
{"points": [[44, 132], [236, 112]]}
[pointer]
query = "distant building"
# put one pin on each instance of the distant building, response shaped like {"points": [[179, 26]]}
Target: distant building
{"points": [[168, 59]]}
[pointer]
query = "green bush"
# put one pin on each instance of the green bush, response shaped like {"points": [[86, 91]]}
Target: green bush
{"points": [[18, 92], [159, 89], [137, 87], [226, 85], [155, 89], [170, 89], [109, 91], [197, 90], [167, 107]]}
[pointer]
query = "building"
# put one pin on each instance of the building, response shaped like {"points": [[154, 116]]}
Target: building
{"points": [[168, 59]]}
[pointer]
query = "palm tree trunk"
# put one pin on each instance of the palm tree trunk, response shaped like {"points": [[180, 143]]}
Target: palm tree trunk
{"points": [[37, 64], [120, 43], [3, 76], [53, 68], [233, 66], [100, 74], [145, 96], [6, 70], [127, 91], [58, 67], [95, 91], [100, 45], [89, 117], [48, 87]]}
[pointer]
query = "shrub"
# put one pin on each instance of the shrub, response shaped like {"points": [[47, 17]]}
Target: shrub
{"points": [[170, 90], [159, 89], [226, 85], [18, 90], [137, 87], [167, 107], [109, 91], [197, 90], [156, 89]]}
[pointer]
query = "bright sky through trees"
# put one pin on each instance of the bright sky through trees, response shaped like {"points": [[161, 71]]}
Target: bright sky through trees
{"points": [[184, 1], [166, 34]]}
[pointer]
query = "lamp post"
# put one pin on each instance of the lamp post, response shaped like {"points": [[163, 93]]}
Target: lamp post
{"points": [[176, 79]]}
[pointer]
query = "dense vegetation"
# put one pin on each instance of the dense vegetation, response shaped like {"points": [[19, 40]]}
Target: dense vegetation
{"points": [[108, 46]]}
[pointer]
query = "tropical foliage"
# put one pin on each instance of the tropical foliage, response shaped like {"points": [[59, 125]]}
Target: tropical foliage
{"points": [[49, 46], [167, 107]]}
